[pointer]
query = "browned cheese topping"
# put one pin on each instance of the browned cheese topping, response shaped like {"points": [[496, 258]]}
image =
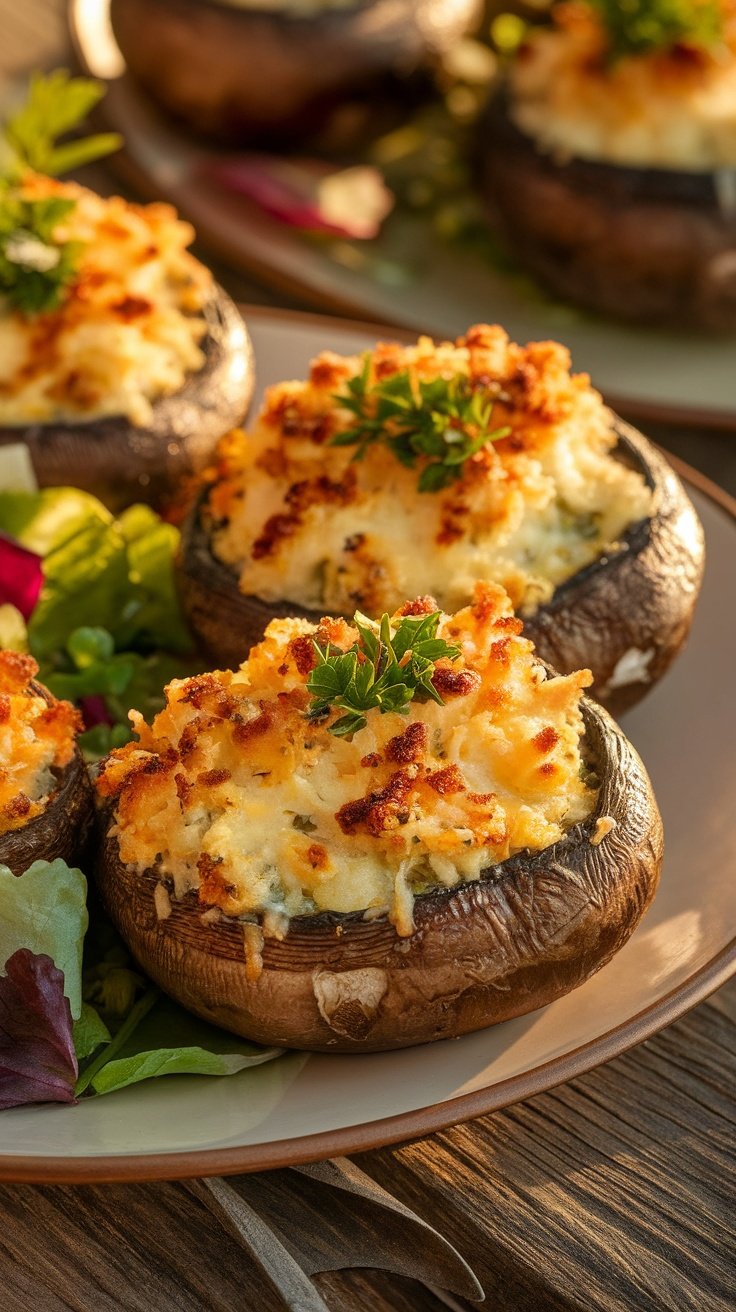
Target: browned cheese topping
{"points": [[36, 741], [300, 520], [665, 108], [130, 328]]}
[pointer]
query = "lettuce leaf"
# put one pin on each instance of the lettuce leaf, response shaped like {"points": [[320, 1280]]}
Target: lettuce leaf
{"points": [[115, 574], [151, 1035], [45, 911], [43, 521], [156, 620], [37, 1057], [169, 1041], [90, 1032]]}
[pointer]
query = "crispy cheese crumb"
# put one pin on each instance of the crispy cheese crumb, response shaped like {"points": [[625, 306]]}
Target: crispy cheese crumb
{"points": [[162, 901], [603, 825], [253, 941], [299, 520], [241, 801]]}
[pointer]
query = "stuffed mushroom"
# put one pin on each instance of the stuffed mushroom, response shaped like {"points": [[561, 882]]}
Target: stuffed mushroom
{"points": [[45, 794], [608, 157], [423, 469], [377, 834], [121, 361], [279, 72]]}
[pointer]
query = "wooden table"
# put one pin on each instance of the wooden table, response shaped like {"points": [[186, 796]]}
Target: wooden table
{"points": [[610, 1194]]}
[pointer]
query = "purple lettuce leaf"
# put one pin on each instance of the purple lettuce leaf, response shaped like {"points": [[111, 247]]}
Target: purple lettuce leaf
{"points": [[21, 576], [37, 1058], [309, 193]]}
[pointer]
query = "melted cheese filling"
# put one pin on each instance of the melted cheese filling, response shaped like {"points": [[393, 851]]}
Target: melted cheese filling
{"points": [[36, 739], [668, 109], [235, 793], [130, 327], [299, 521]]}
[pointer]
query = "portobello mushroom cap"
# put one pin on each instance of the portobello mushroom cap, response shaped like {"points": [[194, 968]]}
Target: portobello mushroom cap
{"points": [[653, 245], [625, 616], [529, 930], [276, 76], [64, 826], [121, 463]]}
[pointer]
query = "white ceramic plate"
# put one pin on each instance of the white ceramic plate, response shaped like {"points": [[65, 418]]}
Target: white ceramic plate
{"points": [[653, 374], [304, 1107]]}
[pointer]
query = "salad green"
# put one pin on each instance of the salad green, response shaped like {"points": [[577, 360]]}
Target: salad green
{"points": [[106, 628], [76, 1019], [103, 621], [46, 911]]}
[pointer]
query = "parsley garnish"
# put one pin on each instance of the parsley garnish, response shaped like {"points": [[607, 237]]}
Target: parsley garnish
{"points": [[384, 669], [635, 27], [56, 104], [36, 267], [445, 421]]}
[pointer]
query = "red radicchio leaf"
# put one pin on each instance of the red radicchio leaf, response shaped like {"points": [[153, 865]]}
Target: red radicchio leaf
{"points": [[37, 1058], [307, 193], [21, 576], [95, 711]]}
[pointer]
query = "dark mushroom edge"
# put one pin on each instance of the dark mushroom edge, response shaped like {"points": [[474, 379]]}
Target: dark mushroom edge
{"points": [[64, 826], [274, 77], [625, 616], [121, 463], [528, 931], [644, 244]]}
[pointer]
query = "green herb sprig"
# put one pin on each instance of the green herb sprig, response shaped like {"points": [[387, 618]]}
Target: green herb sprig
{"points": [[443, 421], [56, 104], [636, 27], [36, 266], [385, 669]]}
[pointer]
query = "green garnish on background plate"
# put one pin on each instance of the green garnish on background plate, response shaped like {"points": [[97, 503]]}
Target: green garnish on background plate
{"points": [[36, 265], [637, 27]]}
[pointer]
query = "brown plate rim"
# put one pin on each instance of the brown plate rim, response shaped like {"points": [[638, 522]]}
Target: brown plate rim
{"points": [[188, 1164], [124, 1168], [132, 172]]}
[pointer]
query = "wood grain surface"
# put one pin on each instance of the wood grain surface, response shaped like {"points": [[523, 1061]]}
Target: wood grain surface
{"points": [[611, 1194]]}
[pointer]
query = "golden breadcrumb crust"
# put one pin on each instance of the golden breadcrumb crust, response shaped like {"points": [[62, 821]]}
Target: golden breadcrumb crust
{"points": [[37, 738], [234, 792], [129, 329], [301, 521]]}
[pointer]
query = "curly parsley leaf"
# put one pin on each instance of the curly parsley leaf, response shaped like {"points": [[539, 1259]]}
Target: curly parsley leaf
{"points": [[385, 669], [442, 422], [637, 27]]}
